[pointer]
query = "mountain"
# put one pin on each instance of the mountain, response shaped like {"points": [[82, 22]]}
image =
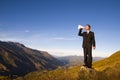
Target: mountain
{"points": [[106, 69], [17, 59], [75, 60], [110, 66]]}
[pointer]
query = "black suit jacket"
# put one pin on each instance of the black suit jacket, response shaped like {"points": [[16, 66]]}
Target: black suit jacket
{"points": [[88, 39]]}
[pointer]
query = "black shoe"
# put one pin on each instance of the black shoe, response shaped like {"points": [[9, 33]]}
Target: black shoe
{"points": [[89, 67], [84, 65]]}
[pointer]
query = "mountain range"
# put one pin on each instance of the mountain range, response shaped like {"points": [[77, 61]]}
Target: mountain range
{"points": [[17, 59]]}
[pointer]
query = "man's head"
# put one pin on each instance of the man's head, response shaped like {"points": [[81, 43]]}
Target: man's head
{"points": [[87, 27]]}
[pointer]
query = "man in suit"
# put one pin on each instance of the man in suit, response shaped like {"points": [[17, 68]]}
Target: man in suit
{"points": [[88, 44]]}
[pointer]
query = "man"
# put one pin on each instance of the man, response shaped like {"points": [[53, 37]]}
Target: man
{"points": [[88, 43]]}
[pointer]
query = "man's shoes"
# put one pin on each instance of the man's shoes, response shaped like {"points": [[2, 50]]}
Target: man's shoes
{"points": [[90, 67], [85, 66]]}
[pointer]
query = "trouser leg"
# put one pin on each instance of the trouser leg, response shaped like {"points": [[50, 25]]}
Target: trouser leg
{"points": [[85, 56], [89, 57]]}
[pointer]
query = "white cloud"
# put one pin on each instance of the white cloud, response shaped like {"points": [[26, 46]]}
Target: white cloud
{"points": [[62, 38], [46, 42], [14, 39], [27, 31], [59, 38], [62, 52], [35, 41], [9, 37], [78, 52]]}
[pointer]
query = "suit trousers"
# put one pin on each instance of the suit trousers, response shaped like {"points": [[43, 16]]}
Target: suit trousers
{"points": [[88, 56]]}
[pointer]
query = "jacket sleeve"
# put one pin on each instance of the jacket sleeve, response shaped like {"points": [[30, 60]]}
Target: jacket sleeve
{"points": [[93, 40], [80, 33]]}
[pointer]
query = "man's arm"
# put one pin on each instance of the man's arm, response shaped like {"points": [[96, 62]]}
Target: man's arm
{"points": [[93, 41], [80, 33]]}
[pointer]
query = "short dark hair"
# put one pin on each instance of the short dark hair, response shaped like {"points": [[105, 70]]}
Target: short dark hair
{"points": [[88, 25]]}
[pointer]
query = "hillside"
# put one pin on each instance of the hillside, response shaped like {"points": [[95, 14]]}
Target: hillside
{"points": [[110, 66], [111, 61], [72, 73], [107, 69], [17, 59]]}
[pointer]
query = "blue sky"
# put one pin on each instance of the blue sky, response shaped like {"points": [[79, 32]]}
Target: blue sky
{"points": [[51, 25]]}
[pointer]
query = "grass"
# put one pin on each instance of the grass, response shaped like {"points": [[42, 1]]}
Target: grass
{"points": [[4, 78], [108, 62]]}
